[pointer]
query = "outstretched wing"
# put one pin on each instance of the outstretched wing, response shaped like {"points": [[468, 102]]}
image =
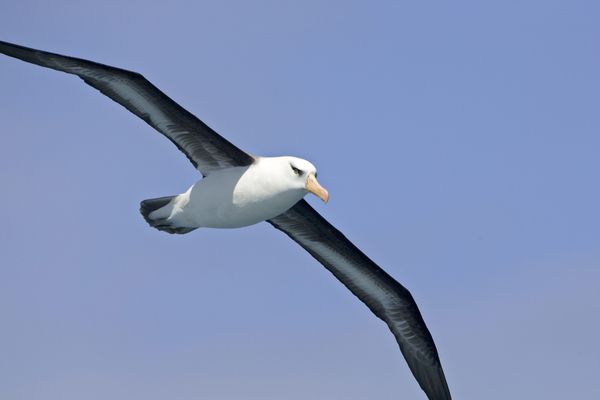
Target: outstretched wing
{"points": [[205, 148], [387, 299]]}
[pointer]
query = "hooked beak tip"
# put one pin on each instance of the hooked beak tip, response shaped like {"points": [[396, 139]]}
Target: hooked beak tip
{"points": [[313, 186]]}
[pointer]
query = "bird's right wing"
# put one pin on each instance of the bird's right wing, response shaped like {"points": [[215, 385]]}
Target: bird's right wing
{"points": [[387, 299], [205, 148]]}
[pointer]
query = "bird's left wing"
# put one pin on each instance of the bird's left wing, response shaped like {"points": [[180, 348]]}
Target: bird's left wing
{"points": [[387, 299], [205, 148]]}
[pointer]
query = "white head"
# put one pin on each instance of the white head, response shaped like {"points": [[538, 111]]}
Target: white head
{"points": [[297, 174]]}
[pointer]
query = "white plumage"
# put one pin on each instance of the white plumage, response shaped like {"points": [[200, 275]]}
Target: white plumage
{"points": [[240, 196]]}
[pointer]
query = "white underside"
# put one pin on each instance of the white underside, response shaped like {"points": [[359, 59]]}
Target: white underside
{"points": [[232, 198]]}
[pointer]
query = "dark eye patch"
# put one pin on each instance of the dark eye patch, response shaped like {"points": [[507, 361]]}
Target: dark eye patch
{"points": [[297, 171]]}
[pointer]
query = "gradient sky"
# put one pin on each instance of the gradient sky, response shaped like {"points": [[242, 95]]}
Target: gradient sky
{"points": [[460, 143]]}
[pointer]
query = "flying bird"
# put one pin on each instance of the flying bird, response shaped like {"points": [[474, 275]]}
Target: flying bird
{"points": [[238, 189]]}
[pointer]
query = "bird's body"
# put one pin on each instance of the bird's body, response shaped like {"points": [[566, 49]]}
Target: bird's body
{"points": [[238, 196], [239, 190]]}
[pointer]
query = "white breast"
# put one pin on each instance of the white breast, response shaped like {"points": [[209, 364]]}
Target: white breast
{"points": [[235, 197]]}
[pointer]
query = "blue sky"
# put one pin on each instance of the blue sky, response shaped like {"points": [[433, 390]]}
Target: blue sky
{"points": [[459, 143]]}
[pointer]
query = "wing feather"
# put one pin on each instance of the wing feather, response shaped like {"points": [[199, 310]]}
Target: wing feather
{"points": [[206, 149], [382, 294]]}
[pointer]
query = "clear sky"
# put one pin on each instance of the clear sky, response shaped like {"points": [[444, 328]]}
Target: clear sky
{"points": [[460, 144]]}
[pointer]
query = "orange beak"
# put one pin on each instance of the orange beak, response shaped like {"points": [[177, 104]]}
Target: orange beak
{"points": [[313, 186]]}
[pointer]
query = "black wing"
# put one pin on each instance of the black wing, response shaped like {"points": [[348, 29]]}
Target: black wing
{"points": [[205, 148], [386, 298]]}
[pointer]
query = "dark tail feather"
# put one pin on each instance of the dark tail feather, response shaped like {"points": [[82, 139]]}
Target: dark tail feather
{"points": [[162, 224]]}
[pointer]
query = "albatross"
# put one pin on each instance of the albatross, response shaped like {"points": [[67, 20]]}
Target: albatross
{"points": [[238, 189]]}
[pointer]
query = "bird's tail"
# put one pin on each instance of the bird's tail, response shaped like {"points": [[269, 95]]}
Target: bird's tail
{"points": [[159, 221]]}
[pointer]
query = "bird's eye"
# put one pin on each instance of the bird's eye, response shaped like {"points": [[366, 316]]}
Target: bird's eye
{"points": [[297, 171]]}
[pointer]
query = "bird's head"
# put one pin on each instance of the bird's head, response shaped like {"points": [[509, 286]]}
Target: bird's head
{"points": [[301, 174]]}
